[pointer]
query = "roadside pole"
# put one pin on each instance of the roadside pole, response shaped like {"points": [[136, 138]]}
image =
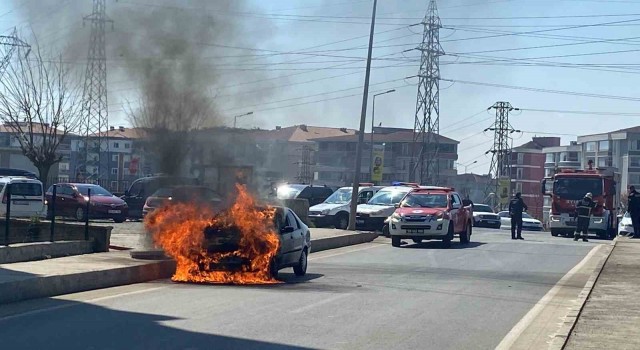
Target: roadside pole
{"points": [[363, 118]]}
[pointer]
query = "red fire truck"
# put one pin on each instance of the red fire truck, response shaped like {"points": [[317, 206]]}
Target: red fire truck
{"points": [[568, 186]]}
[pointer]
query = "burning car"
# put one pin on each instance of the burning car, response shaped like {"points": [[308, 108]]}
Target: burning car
{"points": [[244, 244]]}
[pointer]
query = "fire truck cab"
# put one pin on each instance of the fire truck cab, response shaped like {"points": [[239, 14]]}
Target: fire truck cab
{"points": [[568, 186]]}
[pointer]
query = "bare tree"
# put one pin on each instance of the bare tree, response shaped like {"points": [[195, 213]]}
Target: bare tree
{"points": [[40, 105]]}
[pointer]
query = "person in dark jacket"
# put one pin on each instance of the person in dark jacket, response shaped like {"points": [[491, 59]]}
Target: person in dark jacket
{"points": [[516, 208], [583, 213], [633, 207]]}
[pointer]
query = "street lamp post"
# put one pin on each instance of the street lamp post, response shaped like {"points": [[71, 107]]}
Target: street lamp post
{"points": [[235, 119], [373, 119], [467, 165]]}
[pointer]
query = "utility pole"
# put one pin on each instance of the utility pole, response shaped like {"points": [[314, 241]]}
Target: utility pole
{"points": [[304, 167], [95, 129], [363, 121], [11, 42], [373, 120], [502, 143], [424, 151]]}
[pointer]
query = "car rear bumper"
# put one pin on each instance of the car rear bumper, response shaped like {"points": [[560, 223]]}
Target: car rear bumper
{"points": [[487, 223], [370, 223], [322, 220]]}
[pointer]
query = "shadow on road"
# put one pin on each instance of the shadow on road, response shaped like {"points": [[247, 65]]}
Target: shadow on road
{"points": [[73, 325], [441, 245]]}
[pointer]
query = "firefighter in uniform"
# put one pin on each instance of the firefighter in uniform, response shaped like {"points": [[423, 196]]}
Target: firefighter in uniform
{"points": [[583, 212]]}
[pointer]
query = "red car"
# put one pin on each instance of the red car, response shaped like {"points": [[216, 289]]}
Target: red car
{"points": [[71, 201]]}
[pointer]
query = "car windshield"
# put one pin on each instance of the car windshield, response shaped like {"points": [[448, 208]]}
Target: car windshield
{"points": [[389, 197], [26, 189], [575, 188], [340, 196], [526, 216], [290, 191], [481, 208], [95, 190], [424, 200]]}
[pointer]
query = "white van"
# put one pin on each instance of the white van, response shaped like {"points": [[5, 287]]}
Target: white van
{"points": [[27, 197], [334, 211]]}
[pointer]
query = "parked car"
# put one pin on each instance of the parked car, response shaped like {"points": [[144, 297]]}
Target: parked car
{"points": [[528, 223], [426, 213], [180, 194], [27, 199], [142, 188], [625, 226], [373, 214], [334, 211], [295, 245], [71, 201], [313, 193], [484, 216]]}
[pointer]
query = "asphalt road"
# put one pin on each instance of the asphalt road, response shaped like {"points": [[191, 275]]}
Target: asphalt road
{"points": [[369, 296]]}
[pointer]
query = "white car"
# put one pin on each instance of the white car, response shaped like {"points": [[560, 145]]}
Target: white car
{"points": [[334, 211], [625, 227], [483, 216], [27, 197], [372, 216], [528, 223]]}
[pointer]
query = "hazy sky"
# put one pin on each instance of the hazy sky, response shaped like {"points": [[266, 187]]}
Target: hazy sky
{"points": [[577, 46]]}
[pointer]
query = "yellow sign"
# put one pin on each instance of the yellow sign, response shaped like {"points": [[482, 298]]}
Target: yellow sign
{"points": [[503, 190], [377, 163]]}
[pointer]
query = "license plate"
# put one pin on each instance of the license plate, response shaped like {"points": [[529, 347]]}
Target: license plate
{"points": [[20, 203], [360, 222], [415, 231], [114, 211]]}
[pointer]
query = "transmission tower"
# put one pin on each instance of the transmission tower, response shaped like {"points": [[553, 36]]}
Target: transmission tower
{"points": [[94, 103], [426, 130], [501, 150], [304, 166], [11, 43]]}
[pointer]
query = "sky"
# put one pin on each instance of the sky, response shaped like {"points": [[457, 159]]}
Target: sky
{"points": [[303, 62]]}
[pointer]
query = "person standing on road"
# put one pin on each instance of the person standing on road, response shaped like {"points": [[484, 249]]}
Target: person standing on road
{"points": [[634, 210], [583, 212], [516, 208]]}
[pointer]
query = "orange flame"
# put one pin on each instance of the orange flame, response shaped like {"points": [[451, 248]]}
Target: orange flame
{"points": [[180, 230]]}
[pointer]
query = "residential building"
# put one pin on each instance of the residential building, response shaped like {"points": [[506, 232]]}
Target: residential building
{"points": [[472, 186], [618, 149], [335, 158], [528, 170]]}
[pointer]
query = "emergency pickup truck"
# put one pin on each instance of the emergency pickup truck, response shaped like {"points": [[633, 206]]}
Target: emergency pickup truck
{"points": [[431, 213]]}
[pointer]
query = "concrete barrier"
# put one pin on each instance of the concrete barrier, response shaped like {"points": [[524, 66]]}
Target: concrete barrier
{"points": [[24, 231], [44, 250], [327, 243]]}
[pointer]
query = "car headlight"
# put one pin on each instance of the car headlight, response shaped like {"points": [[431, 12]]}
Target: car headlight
{"points": [[441, 216], [325, 212], [397, 217]]}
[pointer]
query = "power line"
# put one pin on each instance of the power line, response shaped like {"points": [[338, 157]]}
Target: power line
{"points": [[581, 112]]}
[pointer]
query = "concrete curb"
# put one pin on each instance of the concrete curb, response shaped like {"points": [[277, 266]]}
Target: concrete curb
{"points": [[44, 250], [48, 286], [321, 244], [560, 339]]}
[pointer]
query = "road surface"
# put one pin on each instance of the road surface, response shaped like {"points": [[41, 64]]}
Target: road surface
{"points": [[369, 296]]}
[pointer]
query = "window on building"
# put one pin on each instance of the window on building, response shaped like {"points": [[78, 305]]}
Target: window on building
{"points": [[550, 158], [405, 149], [634, 145], [114, 171], [63, 166], [115, 157], [590, 146], [127, 145], [116, 145], [548, 172], [634, 179], [114, 186], [604, 145], [519, 173], [604, 161], [519, 187], [520, 158], [634, 162]]}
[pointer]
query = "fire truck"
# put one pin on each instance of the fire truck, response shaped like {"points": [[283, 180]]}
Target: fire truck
{"points": [[568, 186]]}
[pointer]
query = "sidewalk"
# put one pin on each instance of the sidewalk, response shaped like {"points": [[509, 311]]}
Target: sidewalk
{"points": [[610, 319]]}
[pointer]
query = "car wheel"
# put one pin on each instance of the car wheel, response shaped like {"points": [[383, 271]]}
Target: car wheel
{"points": [[342, 221], [417, 240], [446, 243], [385, 231], [555, 233], [119, 219], [80, 214], [466, 235], [301, 268], [395, 241], [273, 269]]}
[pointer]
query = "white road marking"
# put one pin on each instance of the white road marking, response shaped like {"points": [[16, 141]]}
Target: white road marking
{"points": [[319, 303], [73, 303], [346, 252], [511, 337]]}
